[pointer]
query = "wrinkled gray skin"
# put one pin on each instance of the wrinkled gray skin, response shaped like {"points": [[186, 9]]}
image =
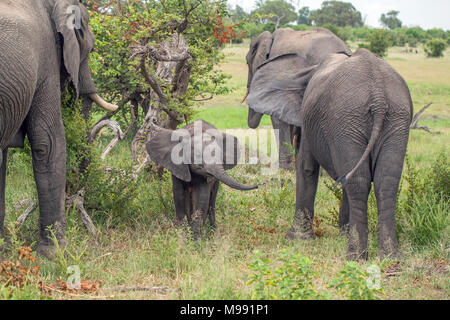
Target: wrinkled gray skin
{"points": [[195, 186], [269, 88], [39, 56], [355, 123]]}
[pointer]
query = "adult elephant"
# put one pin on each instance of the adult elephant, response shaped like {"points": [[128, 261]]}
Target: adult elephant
{"points": [[287, 55], [355, 122], [45, 46]]}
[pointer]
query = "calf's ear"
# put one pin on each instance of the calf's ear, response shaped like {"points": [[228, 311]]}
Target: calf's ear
{"points": [[165, 149]]}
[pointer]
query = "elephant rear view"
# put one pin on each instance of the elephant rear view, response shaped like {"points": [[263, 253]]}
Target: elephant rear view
{"points": [[197, 155], [355, 121]]}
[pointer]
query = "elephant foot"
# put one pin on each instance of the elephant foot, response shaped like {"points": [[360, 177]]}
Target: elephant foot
{"points": [[180, 223], [357, 256], [388, 248], [343, 230], [48, 250], [301, 227], [298, 235], [393, 254]]}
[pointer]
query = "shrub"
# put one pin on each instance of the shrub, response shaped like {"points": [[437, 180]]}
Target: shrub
{"points": [[352, 283], [379, 42], [439, 177], [79, 152], [110, 194], [435, 48], [344, 33], [289, 277]]}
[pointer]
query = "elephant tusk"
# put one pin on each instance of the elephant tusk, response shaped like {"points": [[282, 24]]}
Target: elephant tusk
{"points": [[102, 103], [246, 95], [295, 140]]}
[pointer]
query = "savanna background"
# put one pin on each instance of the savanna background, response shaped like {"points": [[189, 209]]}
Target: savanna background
{"points": [[139, 254]]}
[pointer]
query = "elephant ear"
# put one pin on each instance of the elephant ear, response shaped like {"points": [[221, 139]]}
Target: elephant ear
{"points": [[278, 87], [231, 151], [258, 53], [70, 18], [160, 148]]}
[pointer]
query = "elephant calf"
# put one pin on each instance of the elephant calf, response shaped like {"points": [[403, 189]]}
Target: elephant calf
{"points": [[356, 115], [197, 155]]}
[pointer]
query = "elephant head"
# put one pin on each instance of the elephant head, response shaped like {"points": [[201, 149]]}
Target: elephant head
{"points": [[280, 72], [197, 148], [71, 21]]}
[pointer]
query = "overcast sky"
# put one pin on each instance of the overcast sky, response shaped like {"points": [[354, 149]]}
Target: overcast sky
{"points": [[427, 14]]}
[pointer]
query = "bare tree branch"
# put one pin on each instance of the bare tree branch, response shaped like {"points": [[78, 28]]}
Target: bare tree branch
{"points": [[78, 201], [24, 216], [416, 118]]}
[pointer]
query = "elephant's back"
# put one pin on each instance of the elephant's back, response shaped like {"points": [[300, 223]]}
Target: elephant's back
{"points": [[316, 44]]}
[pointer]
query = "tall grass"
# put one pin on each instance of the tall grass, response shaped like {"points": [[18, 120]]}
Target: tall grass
{"points": [[424, 214]]}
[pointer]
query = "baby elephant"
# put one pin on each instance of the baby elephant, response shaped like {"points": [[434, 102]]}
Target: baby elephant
{"points": [[197, 155]]}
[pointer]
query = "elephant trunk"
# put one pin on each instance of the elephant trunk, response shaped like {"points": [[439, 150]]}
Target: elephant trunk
{"points": [[102, 103], [219, 173], [254, 118]]}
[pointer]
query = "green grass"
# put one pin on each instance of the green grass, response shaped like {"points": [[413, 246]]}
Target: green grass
{"points": [[229, 118], [147, 250]]}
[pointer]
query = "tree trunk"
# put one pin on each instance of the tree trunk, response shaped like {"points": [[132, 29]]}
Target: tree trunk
{"points": [[175, 73]]}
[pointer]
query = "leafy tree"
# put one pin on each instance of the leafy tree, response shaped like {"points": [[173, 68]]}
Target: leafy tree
{"points": [[415, 35], [390, 20], [344, 33], [238, 14], [435, 48], [379, 42], [131, 43], [337, 13], [282, 12], [304, 16]]}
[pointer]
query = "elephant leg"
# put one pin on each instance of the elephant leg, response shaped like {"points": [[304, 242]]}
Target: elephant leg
{"points": [[344, 214], [357, 190], [212, 204], [188, 204], [48, 145], [387, 177], [283, 135], [3, 159], [307, 180], [179, 198], [201, 195]]}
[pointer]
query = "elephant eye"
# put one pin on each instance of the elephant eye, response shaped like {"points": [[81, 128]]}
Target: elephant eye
{"points": [[80, 34]]}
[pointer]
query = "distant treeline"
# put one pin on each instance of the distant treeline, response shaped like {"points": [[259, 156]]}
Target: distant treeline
{"points": [[404, 36], [340, 17]]}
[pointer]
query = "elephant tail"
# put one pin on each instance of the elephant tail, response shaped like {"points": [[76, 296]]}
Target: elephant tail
{"points": [[377, 125], [378, 107]]}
